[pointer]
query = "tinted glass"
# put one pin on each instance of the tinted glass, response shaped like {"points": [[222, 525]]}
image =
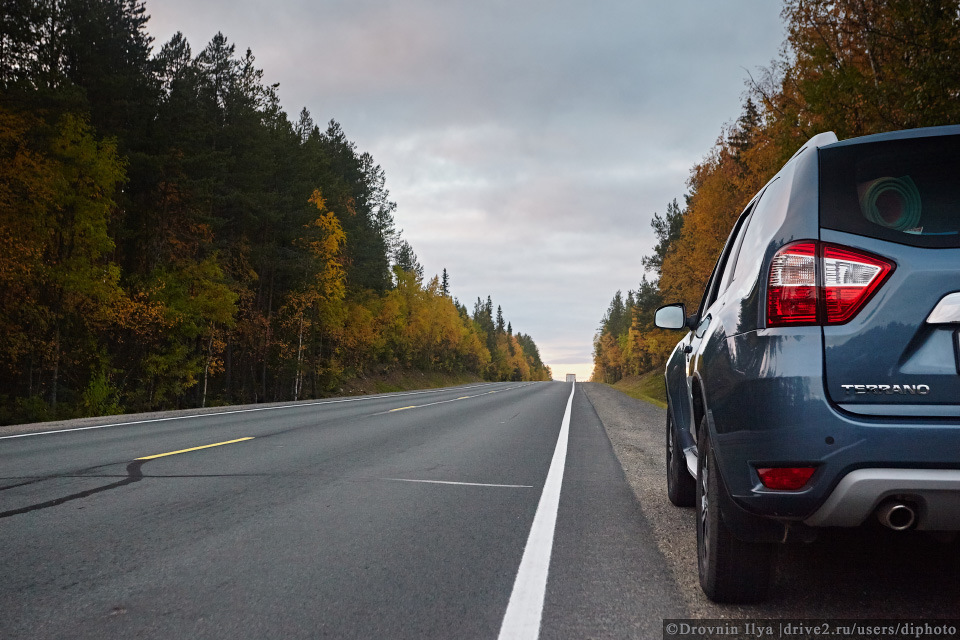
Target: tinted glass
{"points": [[734, 254], [905, 191], [713, 285], [757, 235]]}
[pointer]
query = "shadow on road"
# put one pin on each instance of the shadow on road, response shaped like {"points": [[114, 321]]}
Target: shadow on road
{"points": [[871, 572]]}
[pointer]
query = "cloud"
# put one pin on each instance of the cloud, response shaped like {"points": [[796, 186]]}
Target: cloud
{"points": [[527, 144]]}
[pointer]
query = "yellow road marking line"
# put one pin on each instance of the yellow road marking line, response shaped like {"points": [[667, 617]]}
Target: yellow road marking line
{"points": [[430, 404], [206, 446]]}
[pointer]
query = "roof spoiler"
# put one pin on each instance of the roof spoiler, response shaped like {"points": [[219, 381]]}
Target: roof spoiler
{"points": [[819, 140]]}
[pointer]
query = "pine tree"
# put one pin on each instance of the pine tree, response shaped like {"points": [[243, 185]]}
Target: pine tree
{"points": [[106, 52], [354, 191], [206, 278], [406, 259], [305, 126], [667, 230]]}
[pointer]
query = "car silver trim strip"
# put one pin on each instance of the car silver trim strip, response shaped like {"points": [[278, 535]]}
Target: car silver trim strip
{"points": [[935, 491], [947, 310], [690, 457], [903, 410]]}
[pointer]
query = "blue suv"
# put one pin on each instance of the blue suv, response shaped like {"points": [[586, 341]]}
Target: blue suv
{"points": [[819, 383]]}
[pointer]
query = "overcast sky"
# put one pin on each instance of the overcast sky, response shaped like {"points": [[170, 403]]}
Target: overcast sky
{"points": [[527, 143]]}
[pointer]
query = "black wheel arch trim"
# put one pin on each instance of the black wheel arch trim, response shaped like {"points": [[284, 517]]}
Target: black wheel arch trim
{"points": [[746, 526], [684, 436]]}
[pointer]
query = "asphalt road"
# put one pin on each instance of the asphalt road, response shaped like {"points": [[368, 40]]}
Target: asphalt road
{"points": [[407, 515], [397, 516]]}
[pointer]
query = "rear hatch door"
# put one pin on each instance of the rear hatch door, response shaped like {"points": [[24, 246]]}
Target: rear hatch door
{"points": [[897, 198]]}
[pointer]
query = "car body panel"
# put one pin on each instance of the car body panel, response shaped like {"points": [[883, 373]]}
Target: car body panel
{"points": [[776, 396], [914, 353]]}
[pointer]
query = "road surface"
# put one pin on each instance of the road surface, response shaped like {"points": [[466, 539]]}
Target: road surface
{"points": [[508, 510], [398, 516]]}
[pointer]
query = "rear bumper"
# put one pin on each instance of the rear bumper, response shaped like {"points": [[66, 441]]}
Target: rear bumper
{"points": [[772, 410], [934, 492]]}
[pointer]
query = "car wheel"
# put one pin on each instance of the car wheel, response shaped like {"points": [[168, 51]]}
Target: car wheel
{"points": [[730, 570], [681, 487]]}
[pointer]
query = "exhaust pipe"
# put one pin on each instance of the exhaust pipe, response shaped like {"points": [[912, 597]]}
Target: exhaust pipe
{"points": [[897, 515]]}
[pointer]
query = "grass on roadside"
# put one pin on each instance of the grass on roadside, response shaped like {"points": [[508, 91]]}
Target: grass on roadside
{"points": [[649, 387]]}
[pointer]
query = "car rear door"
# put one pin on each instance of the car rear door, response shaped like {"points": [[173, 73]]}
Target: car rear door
{"points": [[710, 318]]}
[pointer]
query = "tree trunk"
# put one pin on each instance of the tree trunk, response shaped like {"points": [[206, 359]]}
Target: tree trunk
{"points": [[228, 372], [56, 371], [206, 370], [266, 350], [298, 379]]}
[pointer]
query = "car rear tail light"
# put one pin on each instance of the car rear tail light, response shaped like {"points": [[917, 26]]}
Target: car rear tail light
{"points": [[849, 279], [792, 286], [785, 478], [816, 283]]}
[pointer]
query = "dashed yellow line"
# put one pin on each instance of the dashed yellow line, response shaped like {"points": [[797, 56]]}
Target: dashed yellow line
{"points": [[402, 408], [206, 446]]}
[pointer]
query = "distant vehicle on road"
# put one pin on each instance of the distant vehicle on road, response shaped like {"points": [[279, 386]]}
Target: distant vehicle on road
{"points": [[819, 383], [571, 377]]}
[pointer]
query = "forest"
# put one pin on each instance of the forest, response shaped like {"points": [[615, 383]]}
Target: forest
{"points": [[854, 67], [172, 238]]}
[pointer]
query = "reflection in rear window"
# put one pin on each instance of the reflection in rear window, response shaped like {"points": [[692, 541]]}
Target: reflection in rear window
{"points": [[905, 191]]}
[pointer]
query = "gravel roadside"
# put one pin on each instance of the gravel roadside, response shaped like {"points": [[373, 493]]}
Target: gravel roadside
{"points": [[860, 573]]}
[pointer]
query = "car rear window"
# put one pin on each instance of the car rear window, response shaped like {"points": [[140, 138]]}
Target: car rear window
{"points": [[905, 191]]}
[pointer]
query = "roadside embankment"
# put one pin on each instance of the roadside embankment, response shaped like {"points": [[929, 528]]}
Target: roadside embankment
{"points": [[648, 386]]}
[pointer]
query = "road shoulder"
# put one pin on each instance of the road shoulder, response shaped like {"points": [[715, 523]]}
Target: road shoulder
{"points": [[866, 572], [607, 577], [635, 429]]}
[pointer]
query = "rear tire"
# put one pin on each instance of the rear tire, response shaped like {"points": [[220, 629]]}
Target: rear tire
{"points": [[681, 487], [731, 571]]}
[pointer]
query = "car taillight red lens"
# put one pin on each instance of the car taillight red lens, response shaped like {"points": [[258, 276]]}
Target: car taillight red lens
{"points": [[792, 286], [785, 478], [848, 278]]}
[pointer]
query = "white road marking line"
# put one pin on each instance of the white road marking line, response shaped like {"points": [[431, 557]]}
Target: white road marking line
{"points": [[430, 404], [525, 609], [225, 413], [466, 484]]}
